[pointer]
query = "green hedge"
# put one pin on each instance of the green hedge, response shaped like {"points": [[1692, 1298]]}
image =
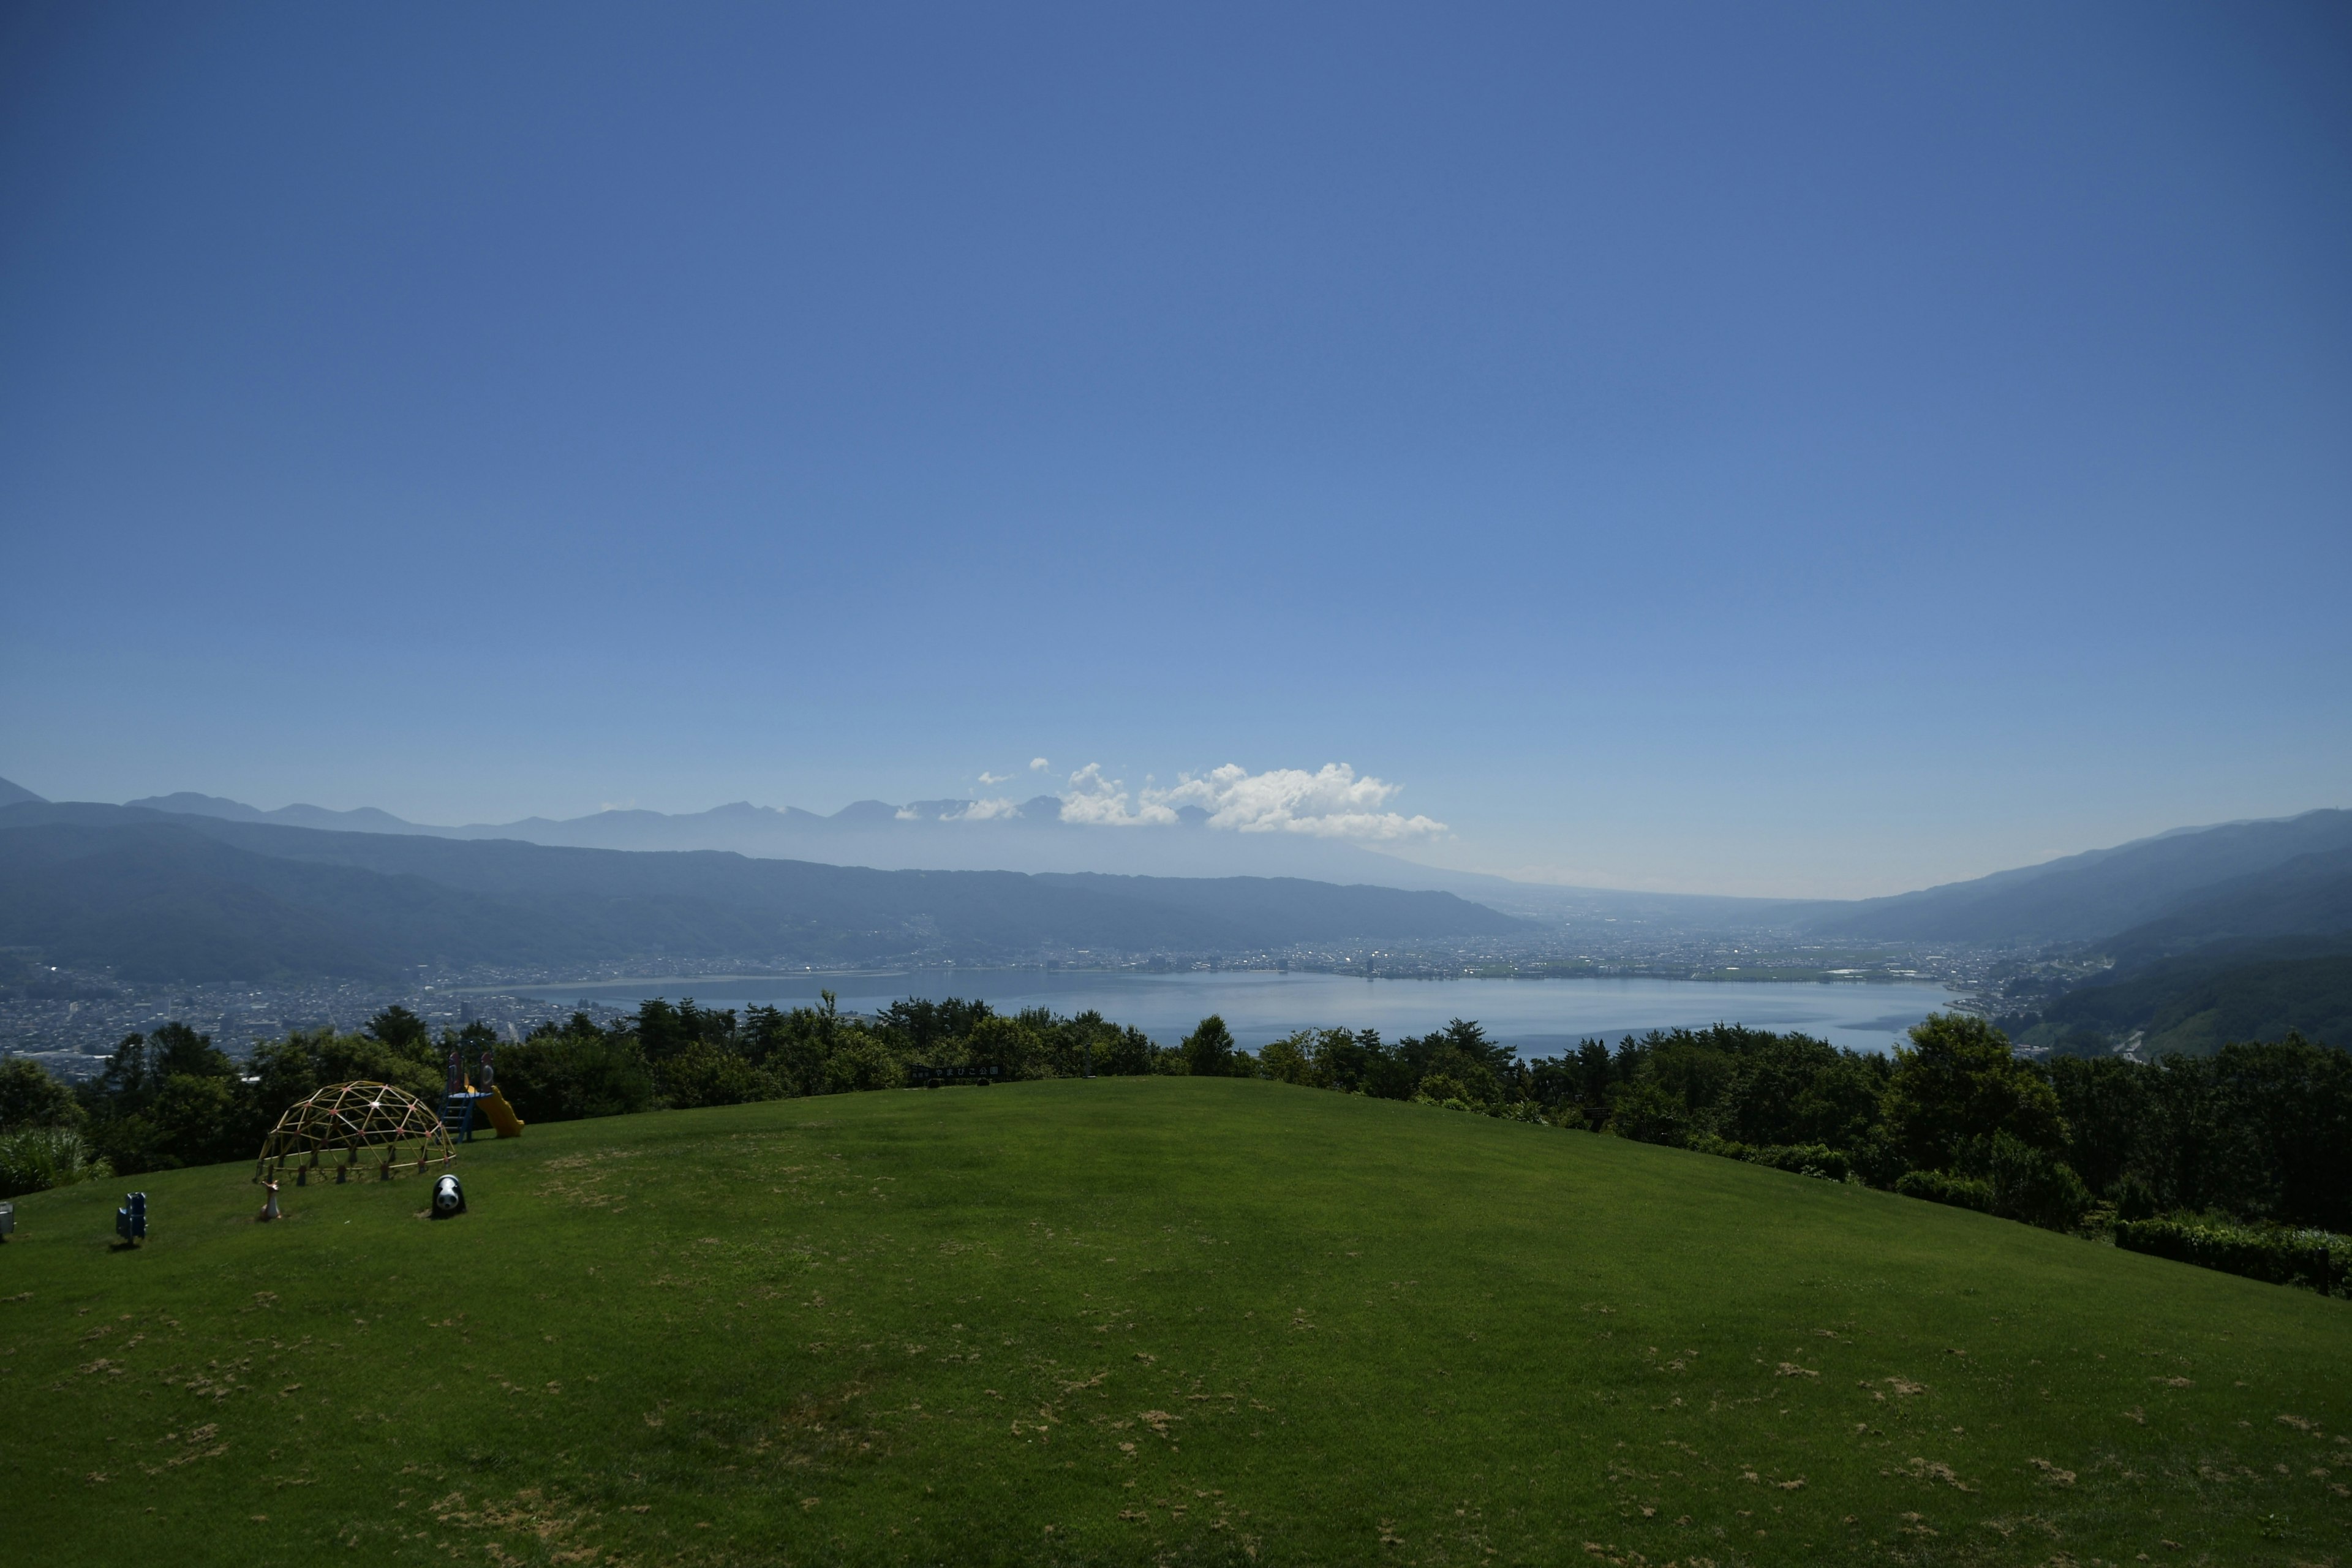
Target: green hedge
{"points": [[1944, 1187], [2314, 1259], [1797, 1159]]}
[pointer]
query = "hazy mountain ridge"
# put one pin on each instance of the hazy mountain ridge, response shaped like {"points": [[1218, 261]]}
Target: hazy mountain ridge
{"points": [[364, 819], [2309, 896], [2096, 896], [935, 835], [163, 896], [156, 901], [2171, 892]]}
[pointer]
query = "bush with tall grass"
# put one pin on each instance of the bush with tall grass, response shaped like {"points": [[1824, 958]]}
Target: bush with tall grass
{"points": [[34, 1159]]}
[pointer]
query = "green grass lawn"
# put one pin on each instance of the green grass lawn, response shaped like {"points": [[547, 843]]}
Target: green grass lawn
{"points": [[1139, 1320]]}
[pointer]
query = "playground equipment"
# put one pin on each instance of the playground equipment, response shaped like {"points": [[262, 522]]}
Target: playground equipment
{"points": [[459, 1109], [448, 1197], [384, 1124], [461, 1102]]}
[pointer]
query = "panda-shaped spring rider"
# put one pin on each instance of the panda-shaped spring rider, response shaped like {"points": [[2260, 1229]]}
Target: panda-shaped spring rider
{"points": [[448, 1197]]}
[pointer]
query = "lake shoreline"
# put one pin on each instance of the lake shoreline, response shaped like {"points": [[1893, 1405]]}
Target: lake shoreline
{"points": [[1536, 1015]]}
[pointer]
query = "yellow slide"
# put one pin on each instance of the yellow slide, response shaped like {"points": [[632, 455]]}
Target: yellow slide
{"points": [[501, 1115]]}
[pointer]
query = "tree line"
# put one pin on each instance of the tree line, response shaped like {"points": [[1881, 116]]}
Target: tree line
{"points": [[172, 1097], [2259, 1134]]}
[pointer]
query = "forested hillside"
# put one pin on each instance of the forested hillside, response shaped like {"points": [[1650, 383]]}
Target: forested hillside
{"points": [[2195, 1002], [2099, 895]]}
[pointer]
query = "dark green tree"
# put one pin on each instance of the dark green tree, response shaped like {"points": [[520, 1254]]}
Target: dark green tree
{"points": [[402, 1030], [31, 1096], [2105, 1102], [1957, 1080], [574, 1070], [1208, 1051]]}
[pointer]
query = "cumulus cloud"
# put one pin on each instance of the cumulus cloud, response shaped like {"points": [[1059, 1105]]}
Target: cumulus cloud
{"points": [[983, 810], [995, 778], [1038, 764], [1331, 802], [1099, 802]]}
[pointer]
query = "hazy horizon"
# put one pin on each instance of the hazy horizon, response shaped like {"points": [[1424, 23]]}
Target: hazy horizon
{"points": [[1823, 452], [938, 838]]}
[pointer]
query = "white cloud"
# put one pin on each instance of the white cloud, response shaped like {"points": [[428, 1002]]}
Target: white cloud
{"points": [[1331, 802], [1099, 802], [909, 813], [1038, 764], [995, 778], [983, 810]]}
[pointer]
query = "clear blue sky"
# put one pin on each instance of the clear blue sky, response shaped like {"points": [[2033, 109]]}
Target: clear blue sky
{"points": [[1766, 449]]}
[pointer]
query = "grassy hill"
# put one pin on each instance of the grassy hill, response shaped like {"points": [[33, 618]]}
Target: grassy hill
{"points": [[1128, 1320]]}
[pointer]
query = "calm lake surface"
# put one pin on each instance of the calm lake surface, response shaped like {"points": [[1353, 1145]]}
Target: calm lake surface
{"points": [[1540, 1017]]}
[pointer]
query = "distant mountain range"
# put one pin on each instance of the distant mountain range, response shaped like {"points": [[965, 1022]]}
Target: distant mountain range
{"points": [[946, 836], [2182, 913], [2180, 888], [162, 896], [927, 835], [2239, 932], [2175, 890]]}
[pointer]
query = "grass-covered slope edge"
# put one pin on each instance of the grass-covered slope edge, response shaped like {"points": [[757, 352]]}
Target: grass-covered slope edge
{"points": [[1141, 1321]]}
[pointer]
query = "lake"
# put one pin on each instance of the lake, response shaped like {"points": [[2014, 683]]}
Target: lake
{"points": [[1539, 1017]]}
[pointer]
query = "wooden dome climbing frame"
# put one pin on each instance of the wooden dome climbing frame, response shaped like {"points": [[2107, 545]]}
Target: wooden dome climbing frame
{"points": [[355, 1130]]}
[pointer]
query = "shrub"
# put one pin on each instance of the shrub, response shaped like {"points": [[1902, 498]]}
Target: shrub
{"points": [[1291, 1059], [1646, 1112], [29, 1096], [862, 1063], [35, 1159], [1797, 1159], [1804, 1160], [563, 1077], [1947, 1188], [1016, 1045], [1438, 1089], [2134, 1199], [2028, 1183], [703, 1075], [2277, 1254], [1129, 1053]]}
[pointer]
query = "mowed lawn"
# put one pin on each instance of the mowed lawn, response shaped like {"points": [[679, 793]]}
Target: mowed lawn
{"points": [[1139, 1320]]}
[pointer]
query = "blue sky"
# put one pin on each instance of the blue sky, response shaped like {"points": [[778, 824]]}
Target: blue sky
{"points": [[1814, 449]]}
